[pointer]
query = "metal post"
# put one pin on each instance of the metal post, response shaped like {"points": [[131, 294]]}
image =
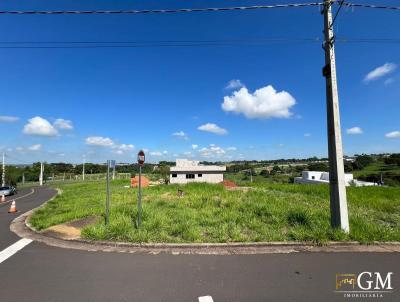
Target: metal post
{"points": [[83, 170], [140, 197], [3, 175], [108, 194], [113, 174], [23, 178], [338, 199]]}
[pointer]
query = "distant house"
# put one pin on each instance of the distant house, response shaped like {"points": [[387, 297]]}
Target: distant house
{"points": [[187, 171], [317, 177]]}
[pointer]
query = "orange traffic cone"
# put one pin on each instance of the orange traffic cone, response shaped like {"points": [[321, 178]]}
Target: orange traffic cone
{"points": [[3, 198], [13, 208]]}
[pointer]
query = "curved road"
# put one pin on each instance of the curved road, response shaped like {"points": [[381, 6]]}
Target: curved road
{"points": [[42, 273]]}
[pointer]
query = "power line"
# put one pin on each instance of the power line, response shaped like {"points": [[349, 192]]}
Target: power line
{"points": [[140, 44], [365, 5], [156, 11], [337, 12], [178, 43]]}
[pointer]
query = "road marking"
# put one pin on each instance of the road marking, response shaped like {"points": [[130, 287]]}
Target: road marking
{"points": [[30, 193], [11, 199], [12, 249], [206, 299]]}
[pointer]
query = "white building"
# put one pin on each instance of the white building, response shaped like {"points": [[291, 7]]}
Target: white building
{"points": [[316, 177], [191, 171]]}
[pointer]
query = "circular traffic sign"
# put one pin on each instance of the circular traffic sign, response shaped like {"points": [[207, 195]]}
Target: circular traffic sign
{"points": [[141, 157]]}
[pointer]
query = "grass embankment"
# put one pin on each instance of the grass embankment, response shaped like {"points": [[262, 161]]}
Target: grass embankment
{"points": [[210, 213]]}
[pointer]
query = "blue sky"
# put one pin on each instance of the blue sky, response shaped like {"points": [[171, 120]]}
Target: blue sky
{"points": [[107, 103]]}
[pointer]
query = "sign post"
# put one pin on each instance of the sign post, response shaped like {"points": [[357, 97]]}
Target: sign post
{"points": [[110, 164], [140, 159]]}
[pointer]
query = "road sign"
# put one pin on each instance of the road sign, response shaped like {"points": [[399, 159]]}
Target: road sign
{"points": [[141, 157], [111, 164]]}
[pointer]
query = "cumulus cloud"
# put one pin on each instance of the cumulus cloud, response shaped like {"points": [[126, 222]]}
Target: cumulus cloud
{"points": [[125, 147], [194, 146], [40, 127], [389, 81], [213, 128], [231, 149], [307, 134], [156, 153], [180, 134], [234, 84], [380, 72], [8, 119], [36, 147], [354, 130], [63, 124], [99, 141], [212, 151], [393, 134], [264, 103]]}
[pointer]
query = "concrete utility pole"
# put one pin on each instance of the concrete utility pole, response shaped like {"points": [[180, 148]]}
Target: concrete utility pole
{"points": [[3, 175], [338, 199], [41, 174], [83, 170]]}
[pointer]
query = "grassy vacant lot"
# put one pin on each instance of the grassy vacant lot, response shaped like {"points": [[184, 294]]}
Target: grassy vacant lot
{"points": [[210, 213]]}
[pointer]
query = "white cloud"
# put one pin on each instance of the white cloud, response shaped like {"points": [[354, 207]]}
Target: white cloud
{"points": [[39, 126], [380, 71], [231, 149], [165, 152], [354, 130], [194, 147], [36, 147], [19, 149], [124, 147], [393, 134], [389, 81], [264, 103], [234, 84], [180, 134], [156, 153], [187, 153], [213, 128], [99, 141], [8, 119], [63, 124], [307, 134], [212, 151]]}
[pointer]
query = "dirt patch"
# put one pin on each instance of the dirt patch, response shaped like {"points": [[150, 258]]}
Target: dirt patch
{"points": [[70, 230], [229, 184]]}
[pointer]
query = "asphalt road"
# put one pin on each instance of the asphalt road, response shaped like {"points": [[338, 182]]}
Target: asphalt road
{"points": [[42, 273]]}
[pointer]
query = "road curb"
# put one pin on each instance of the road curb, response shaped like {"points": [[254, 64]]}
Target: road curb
{"points": [[22, 228]]}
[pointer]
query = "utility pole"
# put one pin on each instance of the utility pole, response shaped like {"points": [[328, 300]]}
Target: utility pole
{"points": [[41, 174], [338, 199], [3, 175], [83, 170], [113, 174]]}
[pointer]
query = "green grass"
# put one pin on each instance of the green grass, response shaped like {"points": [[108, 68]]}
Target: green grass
{"points": [[210, 213]]}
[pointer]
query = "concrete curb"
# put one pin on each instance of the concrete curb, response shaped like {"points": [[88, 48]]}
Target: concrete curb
{"points": [[22, 228]]}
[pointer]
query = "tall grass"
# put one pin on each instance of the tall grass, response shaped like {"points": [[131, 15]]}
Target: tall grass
{"points": [[210, 213]]}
